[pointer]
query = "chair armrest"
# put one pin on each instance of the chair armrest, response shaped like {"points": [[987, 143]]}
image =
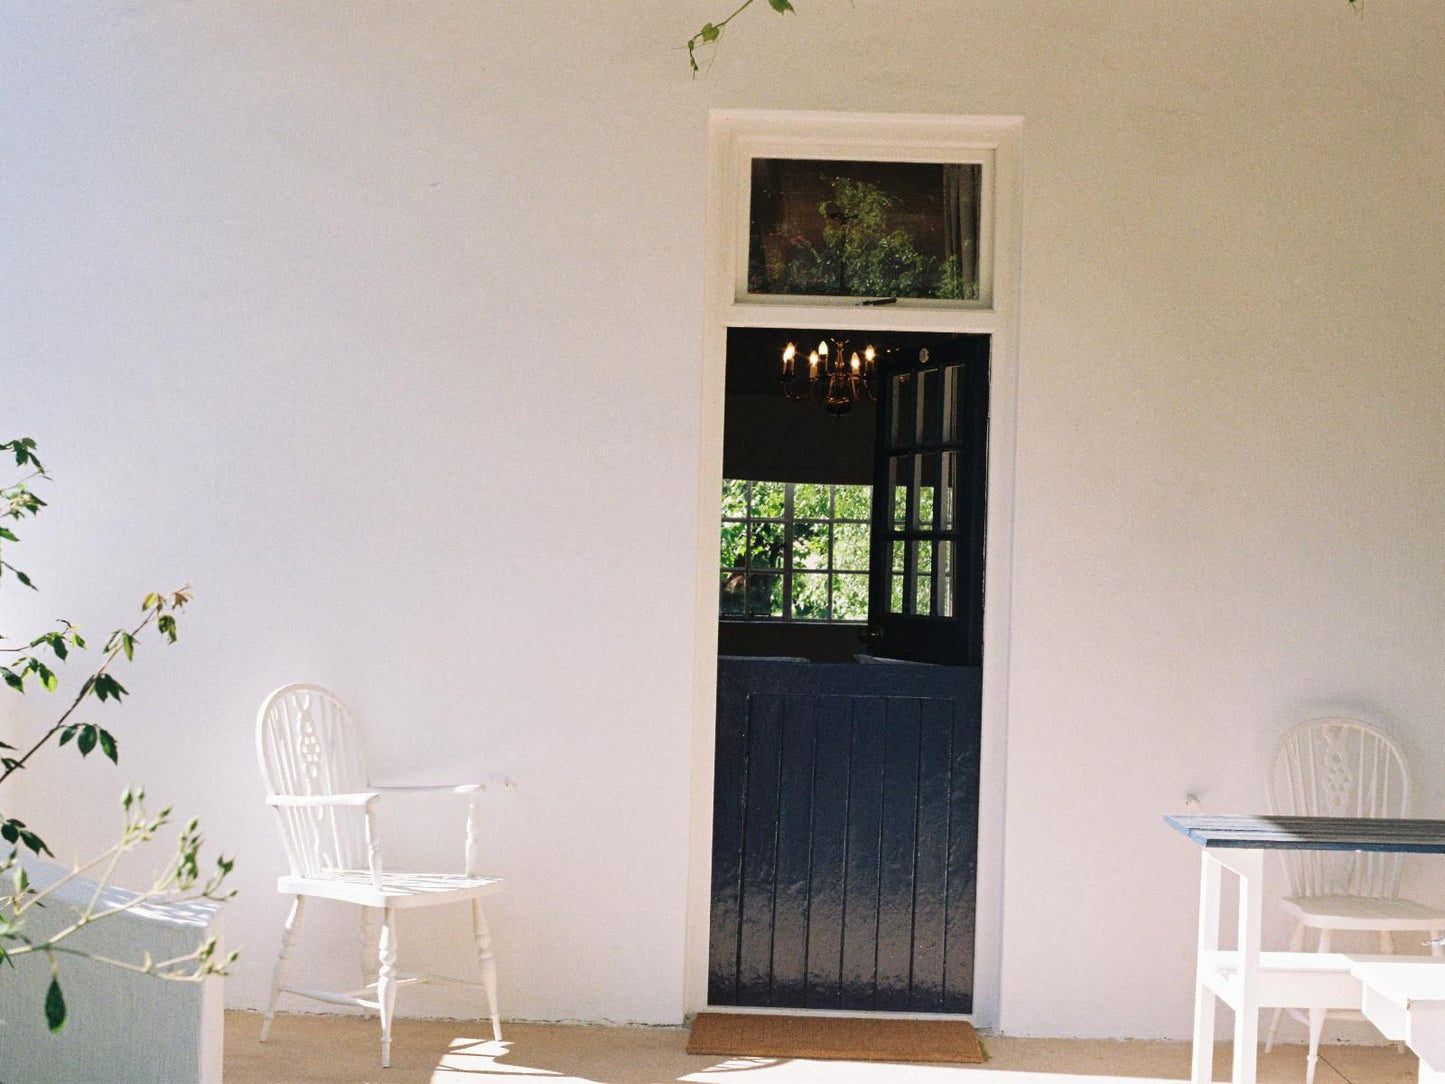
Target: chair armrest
{"points": [[362, 798], [432, 788]]}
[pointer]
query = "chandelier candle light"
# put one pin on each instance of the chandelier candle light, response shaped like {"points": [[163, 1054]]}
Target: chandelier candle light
{"points": [[837, 383]]}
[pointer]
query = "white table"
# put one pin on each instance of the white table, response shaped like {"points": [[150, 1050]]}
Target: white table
{"points": [[1405, 999], [1237, 844]]}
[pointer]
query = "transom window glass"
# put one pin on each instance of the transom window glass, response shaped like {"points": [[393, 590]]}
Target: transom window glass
{"points": [[794, 551], [864, 229]]}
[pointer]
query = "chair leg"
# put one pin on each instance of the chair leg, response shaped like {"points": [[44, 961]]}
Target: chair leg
{"points": [[368, 947], [283, 962], [1296, 943], [386, 981], [483, 936], [1317, 1027]]}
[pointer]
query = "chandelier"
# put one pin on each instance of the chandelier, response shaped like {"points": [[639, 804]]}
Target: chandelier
{"points": [[835, 382]]}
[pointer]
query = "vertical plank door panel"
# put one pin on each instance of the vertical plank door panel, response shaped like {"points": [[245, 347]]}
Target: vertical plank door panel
{"points": [[760, 850], [795, 845], [833, 739], [899, 839], [930, 886], [865, 823]]}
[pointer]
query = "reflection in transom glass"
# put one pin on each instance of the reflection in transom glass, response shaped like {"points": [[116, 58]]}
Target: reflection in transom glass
{"points": [[864, 229]]}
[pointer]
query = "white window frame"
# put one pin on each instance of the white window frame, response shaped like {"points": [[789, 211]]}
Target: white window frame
{"points": [[735, 138]]}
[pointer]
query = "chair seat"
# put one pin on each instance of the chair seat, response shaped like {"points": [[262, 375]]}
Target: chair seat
{"points": [[1364, 913], [397, 889]]}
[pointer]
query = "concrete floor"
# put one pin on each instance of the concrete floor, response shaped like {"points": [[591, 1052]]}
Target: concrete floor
{"points": [[346, 1050]]}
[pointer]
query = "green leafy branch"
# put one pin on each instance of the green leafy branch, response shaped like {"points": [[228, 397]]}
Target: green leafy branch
{"points": [[180, 882], [158, 609], [38, 661], [710, 32]]}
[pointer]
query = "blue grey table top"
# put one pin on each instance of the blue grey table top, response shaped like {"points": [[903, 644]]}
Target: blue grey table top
{"points": [[1257, 832]]}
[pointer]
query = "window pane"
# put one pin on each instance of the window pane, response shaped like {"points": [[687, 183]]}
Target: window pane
{"points": [[734, 499], [898, 487], [924, 469], [810, 545], [730, 599], [923, 595], [765, 595], [810, 501], [769, 500], [864, 229], [850, 547], [850, 598], [900, 424], [895, 594], [945, 579], [810, 596], [923, 558], [734, 550], [926, 413], [952, 382], [900, 555], [948, 491], [766, 547], [852, 502]]}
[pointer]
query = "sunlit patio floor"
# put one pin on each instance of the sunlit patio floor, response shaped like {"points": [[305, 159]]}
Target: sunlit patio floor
{"points": [[346, 1050]]}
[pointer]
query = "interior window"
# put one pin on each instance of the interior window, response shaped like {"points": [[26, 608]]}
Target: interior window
{"points": [[794, 551]]}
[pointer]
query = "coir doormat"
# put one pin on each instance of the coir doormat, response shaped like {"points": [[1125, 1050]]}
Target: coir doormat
{"points": [[834, 1037]]}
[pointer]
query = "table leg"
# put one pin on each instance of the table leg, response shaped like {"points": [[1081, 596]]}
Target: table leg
{"points": [[1427, 1039], [1249, 865], [1202, 1064]]}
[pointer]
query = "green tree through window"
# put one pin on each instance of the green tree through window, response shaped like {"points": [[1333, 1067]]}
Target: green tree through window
{"points": [[794, 551]]}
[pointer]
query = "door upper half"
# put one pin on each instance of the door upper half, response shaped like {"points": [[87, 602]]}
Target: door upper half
{"points": [[930, 480]]}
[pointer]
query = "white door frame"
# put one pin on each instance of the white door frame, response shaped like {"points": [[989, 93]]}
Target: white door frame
{"points": [[735, 137]]}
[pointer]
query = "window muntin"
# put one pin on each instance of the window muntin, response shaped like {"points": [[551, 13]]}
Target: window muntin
{"points": [[794, 551], [826, 228]]}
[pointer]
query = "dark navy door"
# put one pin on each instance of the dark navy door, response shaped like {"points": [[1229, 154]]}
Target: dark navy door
{"points": [[845, 836]]}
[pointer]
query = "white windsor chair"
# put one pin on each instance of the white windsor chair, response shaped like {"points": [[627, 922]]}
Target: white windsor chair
{"points": [[325, 804], [1342, 768]]}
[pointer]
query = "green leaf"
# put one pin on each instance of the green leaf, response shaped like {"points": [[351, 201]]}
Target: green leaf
{"points": [[24, 579], [150, 601], [34, 842], [86, 742], [68, 733], [709, 33], [780, 6], [57, 645], [107, 746], [14, 680], [7, 534], [167, 626], [127, 644], [9, 831], [54, 1005], [75, 639]]}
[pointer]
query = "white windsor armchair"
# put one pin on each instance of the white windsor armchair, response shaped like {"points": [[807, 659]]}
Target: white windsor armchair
{"points": [[320, 790], [1343, 768]]}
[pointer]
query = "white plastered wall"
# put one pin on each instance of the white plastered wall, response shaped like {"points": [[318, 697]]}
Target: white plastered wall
{"points": [[380, 324]]}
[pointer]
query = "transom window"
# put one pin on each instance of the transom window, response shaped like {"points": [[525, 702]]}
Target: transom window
{"points": [[794, 551]]}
